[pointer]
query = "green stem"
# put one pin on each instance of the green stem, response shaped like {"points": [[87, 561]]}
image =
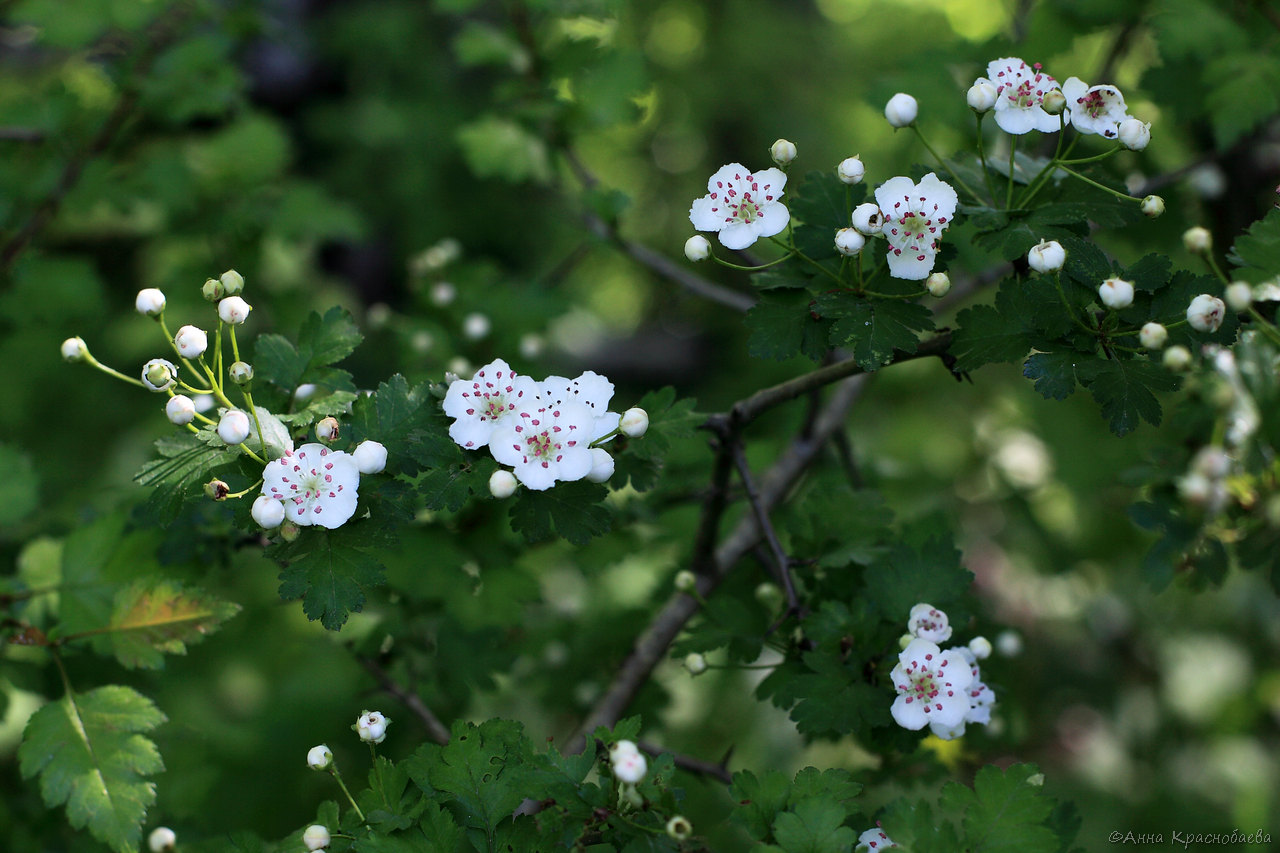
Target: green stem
{"points": [[719, 261], [1215, 269], [1094, 159], [982, 156], [802, 256], [1062, 294], [893, 295], [1091, 182], [333, 769], [943, 163], [1265, 326], [1008, 196], [253, 410], [110, 371]]}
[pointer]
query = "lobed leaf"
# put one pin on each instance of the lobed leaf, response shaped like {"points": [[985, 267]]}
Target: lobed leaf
{"points": [[331, 569], [574, 511], [153, 618]]}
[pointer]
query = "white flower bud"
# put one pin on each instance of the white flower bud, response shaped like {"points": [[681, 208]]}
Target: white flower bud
{"points": [[213, 290], [621, 748], [929, 623], [1009, 643], [1116, 293], [1208, 180], [241, 372], [180, 410], [980, 647], [1134, 135], [234, 310], [1205, 313], [982, 95], [634, 423], [1177, 357], [1047, 256], [849, 242], [158, 374], [150, 301], [1239, 295], [372, 726], [162, 840], [629, 767], [1054, 102], [938, 284], [867, 218], [695, 663], [686, 581], [319, 757], [370, 456], [1153, 335], [233, 426], [327, 429], [316, 837], [851, 170], [901, 110], [1152, 206], [601, 465], [443, 293], [906, 640], [191, 341], [783, 152], [697, 248], [269, 512], [74, 349], [679, 828], [1197, 240], [502, 484], [232, 282], [304, 392], [475, 326], [768, 594]]}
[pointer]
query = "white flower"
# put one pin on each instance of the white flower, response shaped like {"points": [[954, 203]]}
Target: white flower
{"points": [[1095, 109], [873, 840], [915, 215], [601, 465], [488, 399], [372, 726], [783, 151], [629, 767], [1021, 90], [233, 426], [1205, 313], [268, 512], [1152, 206], [849, 241], [1116, 293], [318, 485], [623, 747], [589, 389], [1153, 335], [234, 310], [1177, 357], [696, 248], [1197, 240], [1239, 295], [938, 284], [316, 837], [443, 293], [74, 349], [742, 206], [982, 95], [1134, 135], [928, 623], [158, 374], [931, 686], [475, 326], [980, 647], [162, 839], [191, 341], [150, 301], [1046, 256], [545, 442], [370, 456], [327, 429], [531, 345], [901, 110], [232, 282], [851, 170], [180, 410], [502, 484], [867, 218]]}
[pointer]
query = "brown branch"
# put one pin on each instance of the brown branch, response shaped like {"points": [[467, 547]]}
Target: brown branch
{"points": [[436, 730], [716, 770], [781, 561], [21, 134]]}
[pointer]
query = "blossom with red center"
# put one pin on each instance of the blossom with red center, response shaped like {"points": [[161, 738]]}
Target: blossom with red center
{"points": [[484, 402], [929, 623], [873, 840], [589, 389], [932, 686], [980, 698], [545, 442], [1095, 109], [317, 485], [742, 206], [1020, 91], [915, 215]]}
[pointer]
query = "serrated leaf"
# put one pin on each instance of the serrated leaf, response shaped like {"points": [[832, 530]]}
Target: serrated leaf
{"points": [[1257, 250], [1150, 273], [985, 336], [759, 799], [153, 618], [1241, 92], [399, 417], [906, 576], [323, 341], [89, 752], [1004, 813], [778, 324], [496, 147], [1054, 373], [669, 419], [184, 466], [575, 511], [875, 329], [331, 569], [447, 488], [814, 827], [1125, 390]]}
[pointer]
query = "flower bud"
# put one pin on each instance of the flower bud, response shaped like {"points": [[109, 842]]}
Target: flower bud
{"points": [[1177, 357], [1054, 102], [634, 423], [316, 837], [905, 640], [982, 95], [695, 663], [851, 170], [679, 828], [319, 757], [686, 581], [849, 242], [191, 341], [783, 152], [233, 426], [1047, 256], [241, 372], [371, 726], [150, 301], [1116, 293], [1153, 335], [980, 647], [212, 290], [475, 326], [289, 531], [1239, 295], [1205, 313], [234, 310], [768, 595], [370, 456], [1212, 462], [697, 248], [162, 840], [1152, 206], [180, 410], [628, 766], [938, 284], [327, 429], [73, 349], [502, 484], [443, 293], [1133, 134], [1009, 643], [867, 219], [601, 465], [1197, 240], [216, 490], [232, 282], [268, 512], [158, 374], [901, 110]]}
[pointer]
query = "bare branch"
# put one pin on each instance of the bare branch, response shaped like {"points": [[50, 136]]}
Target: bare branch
{"points": [[716, 770], [21, 134], [780, 559], [436, 730]]}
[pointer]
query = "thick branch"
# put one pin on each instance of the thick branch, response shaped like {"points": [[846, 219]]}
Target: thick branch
{"points": [[436, 730]]}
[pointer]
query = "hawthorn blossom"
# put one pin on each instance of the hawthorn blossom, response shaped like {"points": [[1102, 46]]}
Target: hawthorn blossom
{"points": [[980, 698], [371, 726], [628, 763], [589, 389], [1020, 91], [1095, 109], [318, 485], [1205, 313], [929, 623], [742, 206], [932, 686], [486, 401], [872, 840], [545, 442], [915, 215]]}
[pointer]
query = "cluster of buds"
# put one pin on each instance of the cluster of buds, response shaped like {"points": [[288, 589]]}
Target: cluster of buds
{"points": [[940, 689]]}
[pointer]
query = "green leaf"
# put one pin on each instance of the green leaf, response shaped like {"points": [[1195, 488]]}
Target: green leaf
{"points": [[1257, 250], [782, 325], [814, 827], [331, 569], [385, 802], [89, 752], [1150, 273], [323, 341], [399, 417], [153, 618], [21, 485], [822, 205], [1242, 93], [575, 511], [497, 147], [984, 335], [875, 329], [447, 488], [1004, 813], [759, 799], [184, 466], [1054, 373], [906, 576], [479, 43], [830, 702], [1125, 390]]}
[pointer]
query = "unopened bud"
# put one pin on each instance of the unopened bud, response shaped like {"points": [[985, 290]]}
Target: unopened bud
{"points": [[234, 310], [679, 828], [316, 837], [327, 429], [241, 372], [319, 757], [158, 374], [233, 426], [1152, 206], [268, 512], [217, 490], [289, 531], [212, 290], [232, 282], [697, 248], [370, 457], [938, 284], [191, 341], [982, 96], [769, 595], [634, 422], [849, 242], [1054, 102], [1153, 335], [851, 170], [74, 349], [1197, 240], [1133, 134], [867, 218], [1047, 256], [1205, 313], [1239, 295], [1177, 357], [150, 301], [901, 110], [162, 840], [695, 663], [783, 152], [686, 581], [980, 647], [1116, 293], [602, 465], [502, 484], [180, 410]]}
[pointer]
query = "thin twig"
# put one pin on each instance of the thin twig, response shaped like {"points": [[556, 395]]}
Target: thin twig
{"points": [[716, 770], [782, 562], [436, 730], [21, 134]]}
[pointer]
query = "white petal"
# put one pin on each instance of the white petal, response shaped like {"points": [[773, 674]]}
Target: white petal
{"points": [[725, 177], [913, 267], [1044, 122], [574, 464], [909, 715], [1074, 89], [892, 191], [739, 235], [334, 512], [536, 476], [773, 218], [939, 192], [1016, 120], [707, 214], [471, 433], [507, 445], [605, 424], [776, 179]]}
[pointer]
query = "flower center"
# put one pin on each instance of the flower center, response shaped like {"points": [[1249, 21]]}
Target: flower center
{"points": [[745, 211]]}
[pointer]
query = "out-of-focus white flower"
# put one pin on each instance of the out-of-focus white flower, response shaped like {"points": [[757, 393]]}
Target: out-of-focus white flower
{"points": [[443, 293], [475, 326], [1197, 240], [742, 206], [873, 841], [695, 663], [1177, 357], [629, 767], [316, 837], [1239, 295], [1153, 335], [162, 840]]}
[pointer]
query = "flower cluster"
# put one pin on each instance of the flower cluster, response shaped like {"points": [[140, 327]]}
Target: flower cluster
{"points": [[940, 689], [545, 431]]}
